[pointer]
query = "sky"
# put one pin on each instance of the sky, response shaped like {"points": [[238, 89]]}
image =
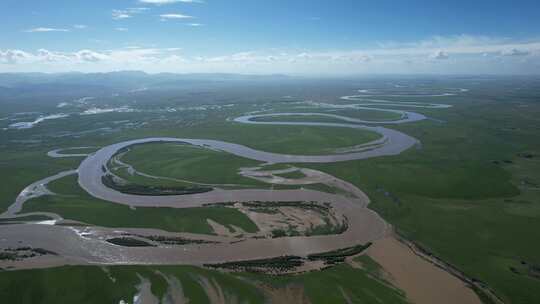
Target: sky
{"points": [[296, 37]]}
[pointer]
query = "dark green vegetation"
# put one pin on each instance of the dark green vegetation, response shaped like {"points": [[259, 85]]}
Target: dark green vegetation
{"points": [[283, 264], [129, 242], [339, 255], [297, 204], [174, 240], [138, 189], [21, 253], [28, 218], [271, 265], [75, 204]]}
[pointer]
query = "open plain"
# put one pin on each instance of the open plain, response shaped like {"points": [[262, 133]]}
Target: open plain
{"points": [[377, 190]]}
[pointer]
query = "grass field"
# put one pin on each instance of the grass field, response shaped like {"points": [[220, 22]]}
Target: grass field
{"points": [[189, 163], [354, 113], [338, 284], [299, 118], [301, 139], [21, 167], [466, 195], [73, 203], [113, 284], [293, 174], [25, 163]]}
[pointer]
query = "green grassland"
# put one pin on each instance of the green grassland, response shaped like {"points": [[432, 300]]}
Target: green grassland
{"points": [[449, 195], [191, 163], [466, 195], [363, 114], [293, 174], [301, 139], [338, 284], [74, 203], [113, 284], [21, 167], [300, 118], [278, 139], [181, 165], [23, 164], [368, 114]]}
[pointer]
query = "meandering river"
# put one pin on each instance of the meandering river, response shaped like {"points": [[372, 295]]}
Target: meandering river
{"points": [[87, 245]]}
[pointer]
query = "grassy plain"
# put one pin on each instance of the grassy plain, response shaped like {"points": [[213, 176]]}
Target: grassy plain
{"points": [[302, 139], [338, 284], [300, 118], [467, 195], [74, 203], [189, 163], [113, 284], [293, 174], [363, 114]]}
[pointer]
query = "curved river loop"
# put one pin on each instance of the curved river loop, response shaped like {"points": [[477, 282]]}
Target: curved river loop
{"points": [[80, 244]]}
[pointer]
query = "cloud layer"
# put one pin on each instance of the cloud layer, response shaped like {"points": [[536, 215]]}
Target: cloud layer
{"points": [[175, 16], [458, 54], [45, 29]]}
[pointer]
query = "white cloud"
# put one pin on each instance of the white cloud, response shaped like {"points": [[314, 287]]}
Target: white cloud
{"points": [[440, 55], [515, 52], [80, 26], [174, 16], [120, 14], [127, 13], [45, 29], [13, 56], [122, 29], [51, 56], [136, 10], [90, 56], [195, 24], [469, 55], [161, 2]]}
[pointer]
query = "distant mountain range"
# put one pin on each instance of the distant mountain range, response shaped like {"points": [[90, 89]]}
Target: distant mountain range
{"points": [[122, 79]]}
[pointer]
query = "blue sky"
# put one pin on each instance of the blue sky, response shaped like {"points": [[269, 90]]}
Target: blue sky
{"points": [[271, 36]]}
